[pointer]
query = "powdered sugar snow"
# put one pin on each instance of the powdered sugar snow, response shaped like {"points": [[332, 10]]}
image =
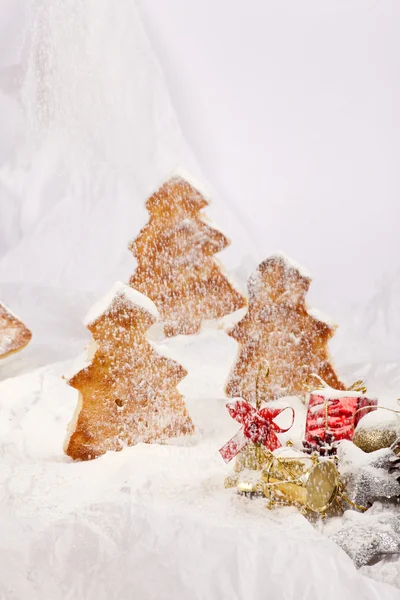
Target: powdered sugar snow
{"points": [[132, 295], [151, 520]]}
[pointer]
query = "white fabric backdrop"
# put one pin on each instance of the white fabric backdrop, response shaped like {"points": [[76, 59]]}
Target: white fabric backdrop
{"points": [[89, 133], [292, 111]]}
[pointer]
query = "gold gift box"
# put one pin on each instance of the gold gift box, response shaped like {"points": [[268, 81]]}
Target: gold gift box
{"points": [[306, 482]]}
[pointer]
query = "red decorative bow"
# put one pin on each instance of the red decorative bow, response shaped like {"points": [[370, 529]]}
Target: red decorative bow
{"points": [[258, 427]]}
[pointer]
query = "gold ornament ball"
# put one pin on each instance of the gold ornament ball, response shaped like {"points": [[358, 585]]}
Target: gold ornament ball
{"points": [[370, 440]]}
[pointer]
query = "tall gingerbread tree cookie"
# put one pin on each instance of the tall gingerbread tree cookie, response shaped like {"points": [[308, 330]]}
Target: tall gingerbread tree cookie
{"points": [[281, 334], [176, 265], [127, 391], [14, 335]]}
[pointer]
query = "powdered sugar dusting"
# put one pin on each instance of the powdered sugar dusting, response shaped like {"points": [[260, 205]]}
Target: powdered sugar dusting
{"points": [[182, 173], [127, 391], [176, 265], [351, 457], [83, 361], [7, 338], [380, 419], [320, 316], [118, 289], [14, 335], [313, 312], [143, 504], [278, 334], [292, 264]]}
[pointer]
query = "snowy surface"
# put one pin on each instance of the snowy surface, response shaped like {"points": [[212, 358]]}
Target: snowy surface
{"points": [[379, 419], [151, 521]]}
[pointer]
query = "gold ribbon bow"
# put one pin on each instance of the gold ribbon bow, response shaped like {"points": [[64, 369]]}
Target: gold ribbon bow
{"points": [[357, 386]]}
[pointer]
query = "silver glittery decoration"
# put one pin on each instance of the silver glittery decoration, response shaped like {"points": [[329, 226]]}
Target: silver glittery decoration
{"points": [[368, 477], [394, 467], [368, 484], [381, 459], [368, 537]]}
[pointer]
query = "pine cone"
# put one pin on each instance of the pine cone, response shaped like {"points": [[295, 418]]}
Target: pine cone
{"points": [[326, 447]]}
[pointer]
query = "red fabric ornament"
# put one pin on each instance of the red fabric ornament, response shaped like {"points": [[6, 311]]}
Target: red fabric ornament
{"points": [[336, 416], [258, 427]]}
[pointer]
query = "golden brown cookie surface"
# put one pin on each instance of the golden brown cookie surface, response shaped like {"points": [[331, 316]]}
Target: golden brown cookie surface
{"points": [[281, 334], [14, 335], [176, 267], [128, 391]]}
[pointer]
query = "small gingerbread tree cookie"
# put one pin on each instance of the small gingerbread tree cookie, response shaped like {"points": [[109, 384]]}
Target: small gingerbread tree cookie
{"points": [[127, 391], [281, 334], [14, 335], [176, 265]]}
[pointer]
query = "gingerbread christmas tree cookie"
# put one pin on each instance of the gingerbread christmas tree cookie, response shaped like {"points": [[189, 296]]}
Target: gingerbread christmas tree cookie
{"points": [[176, 265], [14, 335], [281, 334], [127, 391]]}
